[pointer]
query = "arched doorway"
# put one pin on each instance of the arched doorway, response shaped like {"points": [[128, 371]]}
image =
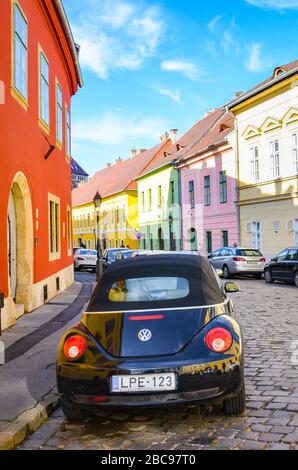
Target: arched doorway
{"points": [[20, 242], [161, 242], [193, 239]]}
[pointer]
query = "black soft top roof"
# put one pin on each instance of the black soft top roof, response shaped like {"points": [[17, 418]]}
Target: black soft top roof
{"points": [[204, 287]]}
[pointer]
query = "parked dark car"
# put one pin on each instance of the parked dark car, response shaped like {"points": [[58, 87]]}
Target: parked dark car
{"points": [[158, 330], [109, 256], [284, 267], [238, 261]]}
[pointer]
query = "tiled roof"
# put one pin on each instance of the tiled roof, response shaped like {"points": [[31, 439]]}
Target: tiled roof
{"points": [[186, 142], [116, 178], [76, 169], [286, 68]]}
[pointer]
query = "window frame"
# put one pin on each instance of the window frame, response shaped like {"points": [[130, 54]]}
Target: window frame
{"points": [[44, 124], [54, 221], [254, 164], [67, 132], [223, 187], [59, 108], [207, 191], [191, 193], [274, 158], [16, 92], [295, 153]]}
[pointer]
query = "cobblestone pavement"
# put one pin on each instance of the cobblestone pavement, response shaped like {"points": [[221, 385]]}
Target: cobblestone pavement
{"points": [[269, 318]]}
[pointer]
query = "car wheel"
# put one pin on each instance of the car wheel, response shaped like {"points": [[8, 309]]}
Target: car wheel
{"points": [[296, 278], [258, 276], [268, 276], [236, 405], [226, 272], [72, 413]]}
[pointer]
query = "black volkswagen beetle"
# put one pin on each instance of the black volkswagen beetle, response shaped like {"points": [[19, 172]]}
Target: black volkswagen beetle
{"points": [[158, 330]]}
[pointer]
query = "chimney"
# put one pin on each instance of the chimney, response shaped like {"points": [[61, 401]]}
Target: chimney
{"points": [[209, 111], [107, 165], [237, 93], [118, 160], [142, 150], [164, 137], [133, 153], [174, 135]]}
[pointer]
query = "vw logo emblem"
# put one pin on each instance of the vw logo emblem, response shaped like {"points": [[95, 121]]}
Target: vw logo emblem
{"points": [[144, 335]]}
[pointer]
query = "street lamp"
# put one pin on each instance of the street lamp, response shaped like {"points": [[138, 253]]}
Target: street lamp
{"points": [[97, 203]]}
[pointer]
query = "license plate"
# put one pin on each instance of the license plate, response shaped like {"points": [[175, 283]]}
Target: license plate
{"points": [[143, 383], [252, 262]]}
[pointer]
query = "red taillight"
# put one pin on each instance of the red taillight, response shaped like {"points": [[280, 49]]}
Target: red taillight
{"points": [[147, 317], [74, 347], [218, 339], [262, 260], [79, 258], [237, 258]]}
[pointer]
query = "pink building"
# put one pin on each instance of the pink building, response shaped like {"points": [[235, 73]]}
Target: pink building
{"points": [[207, 164]]}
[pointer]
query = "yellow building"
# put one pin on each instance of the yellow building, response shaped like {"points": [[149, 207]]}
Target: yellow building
{"points": [[116, 222], [267, 133]]}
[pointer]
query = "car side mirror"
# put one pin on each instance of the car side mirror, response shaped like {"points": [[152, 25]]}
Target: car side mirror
{"points": [[274, 259], [103, 258], [209, 256], [231, 287]]}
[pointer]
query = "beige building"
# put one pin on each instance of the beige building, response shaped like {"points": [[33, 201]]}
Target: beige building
{"points": [[267, 135]]}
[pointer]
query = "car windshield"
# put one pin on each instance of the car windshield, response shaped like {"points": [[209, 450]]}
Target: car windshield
{"points": [[88, 252], [146, 289], [127, 254], [248, 253]]}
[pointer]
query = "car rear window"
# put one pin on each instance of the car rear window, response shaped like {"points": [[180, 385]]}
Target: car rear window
{"points": [[248, 253], [88, 252], [149, 289]]}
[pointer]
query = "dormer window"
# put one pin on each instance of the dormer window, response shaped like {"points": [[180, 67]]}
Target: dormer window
{"points": [[223, 127], [278, 71]]}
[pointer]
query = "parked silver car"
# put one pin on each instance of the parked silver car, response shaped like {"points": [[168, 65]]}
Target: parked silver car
{"points": [[237, 261], [85, 259]]}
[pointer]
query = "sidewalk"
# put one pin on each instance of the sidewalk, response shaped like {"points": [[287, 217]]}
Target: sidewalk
{"points": [[27, 380]]}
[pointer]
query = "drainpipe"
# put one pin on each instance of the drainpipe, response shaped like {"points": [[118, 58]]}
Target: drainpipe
{"points": [[179, 203]]}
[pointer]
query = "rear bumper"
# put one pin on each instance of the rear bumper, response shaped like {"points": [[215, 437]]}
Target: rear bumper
{"points": [[196, 382], [246, 269]]}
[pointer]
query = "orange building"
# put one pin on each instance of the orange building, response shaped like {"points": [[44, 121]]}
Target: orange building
{"points": [[39, 74]]}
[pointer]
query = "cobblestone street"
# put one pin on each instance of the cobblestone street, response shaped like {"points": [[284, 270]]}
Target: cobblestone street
{"points": [[268, 316]]}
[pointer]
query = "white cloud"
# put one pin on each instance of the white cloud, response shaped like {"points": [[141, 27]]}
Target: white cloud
{"points": [[186, 67], [275, 4], [175, 95], [115, 129], [256, 62], [213, 23], [117, 34], [227, 41]]}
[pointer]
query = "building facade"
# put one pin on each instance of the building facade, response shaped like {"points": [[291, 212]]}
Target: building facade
{"points": [[116, 222], [78, 174], [267, 132], [207, 166], [39, 74]]}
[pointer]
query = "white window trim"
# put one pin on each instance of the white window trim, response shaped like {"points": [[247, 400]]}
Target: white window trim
{"points": [[274, 157], [55, 254], [254, 164], [45, 125], [23, 100], [59, 108]]}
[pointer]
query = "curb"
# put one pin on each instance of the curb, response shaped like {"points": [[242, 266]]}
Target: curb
{"points": [[27, 422]]}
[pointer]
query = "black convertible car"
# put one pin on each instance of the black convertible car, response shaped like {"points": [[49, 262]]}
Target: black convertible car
{"points": [[158, 330]]}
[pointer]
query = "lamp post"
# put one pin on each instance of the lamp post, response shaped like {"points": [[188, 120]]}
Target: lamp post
{"points": [[97, 203]]}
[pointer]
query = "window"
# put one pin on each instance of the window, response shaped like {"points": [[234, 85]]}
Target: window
{"points": [[68, 231], [225, 238], [44, 89], [67, 125], [124, 214], [296, 232], [191, 193], [274, 158], [143, 201], [282, 256], [149, 199], [223, 186], [295, 153], [172, 192], [112, 216], [254, 164], [149, 289], [54, 227], [20, 39], [292, 255], [207, 194], [159, 196], [248, 253], [117, 215], [209, 241], [256, 235], [59, 113]]}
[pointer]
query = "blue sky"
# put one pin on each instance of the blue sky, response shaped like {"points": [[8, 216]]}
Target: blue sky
{"points": [[150, 66]]}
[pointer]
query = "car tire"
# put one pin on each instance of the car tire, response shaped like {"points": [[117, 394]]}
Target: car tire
{"points": [[296, 278], [72, 413], [226, 272], [268, 276], [237, 404], [258, 276]]}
